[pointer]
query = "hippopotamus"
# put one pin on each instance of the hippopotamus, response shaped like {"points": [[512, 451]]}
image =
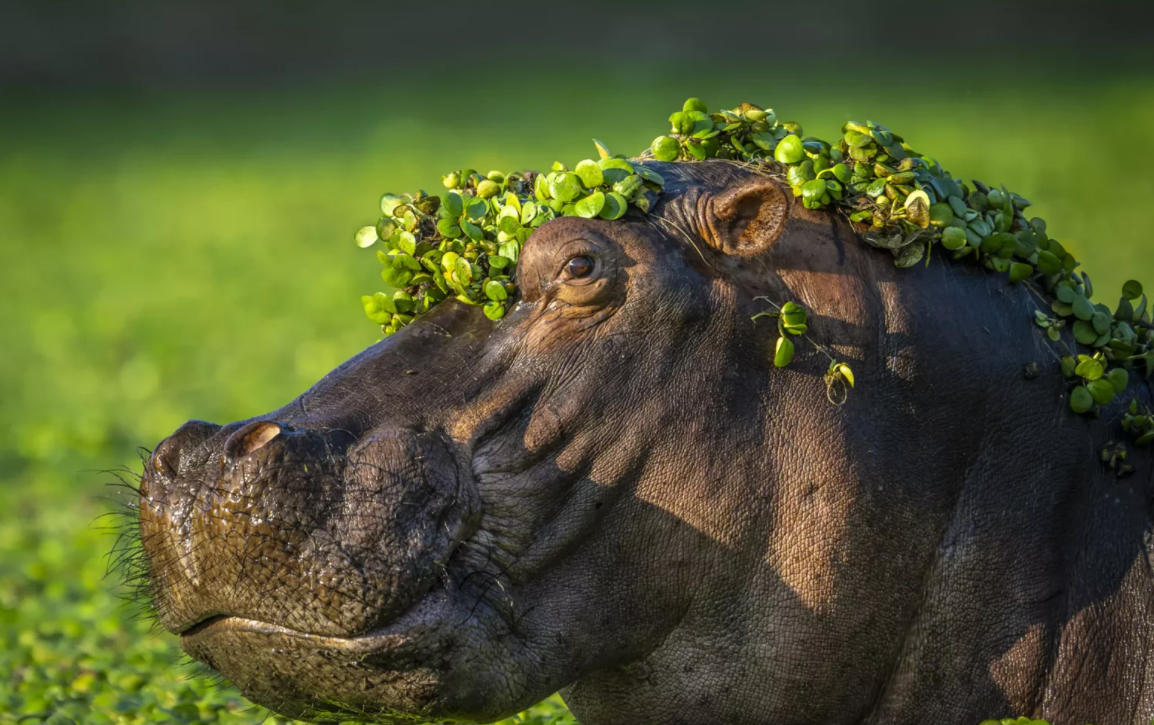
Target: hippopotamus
{"points": [[614, 493]]}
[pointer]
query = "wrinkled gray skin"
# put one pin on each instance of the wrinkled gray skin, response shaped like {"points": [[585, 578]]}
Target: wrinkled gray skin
{"points": [[614, 493]]}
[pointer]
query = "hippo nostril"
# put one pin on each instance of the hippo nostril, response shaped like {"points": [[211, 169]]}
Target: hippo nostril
{"points": [[250, 439], [167, 458]]}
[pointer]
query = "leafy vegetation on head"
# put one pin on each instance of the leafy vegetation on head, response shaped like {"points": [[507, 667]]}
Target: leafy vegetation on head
{"points": [[466, 244]]}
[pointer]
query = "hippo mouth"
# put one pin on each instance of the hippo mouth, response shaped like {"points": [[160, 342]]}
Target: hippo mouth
{"points": [[337, 678]]}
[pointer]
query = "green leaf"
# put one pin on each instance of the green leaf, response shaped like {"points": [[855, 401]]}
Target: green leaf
{"points": [[783, 353], [602, 149], [476, 209], [649, 174], [665, 148], [590, 206], [1049, 263], [590, 173], [615, 206], [1083, 308], [454, 205], [614, 170], [472, 231], [695, 104], [389, 202], [1018, 270], [1132, 290], [1119, 378], [463, 271], [494, 311], [565, 186], [1101, 321], [789, 151], [1085, 333], [1081, 400], [1089, 368], [406, 242], [396, 277], [366, 237], [496, 261], [1102, 391], [495, 291]]}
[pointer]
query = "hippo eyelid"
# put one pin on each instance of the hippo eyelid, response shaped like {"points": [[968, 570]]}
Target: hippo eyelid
{"points": [[572, 250]]}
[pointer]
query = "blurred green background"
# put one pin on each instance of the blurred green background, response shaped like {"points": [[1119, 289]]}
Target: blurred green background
{"points": [[179, 188]]}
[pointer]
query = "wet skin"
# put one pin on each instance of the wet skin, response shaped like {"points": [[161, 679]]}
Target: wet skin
{"points": [[613, 492]]}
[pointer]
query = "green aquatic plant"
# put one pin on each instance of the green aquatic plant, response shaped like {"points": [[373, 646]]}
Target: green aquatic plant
{"points": [[466, 243]]}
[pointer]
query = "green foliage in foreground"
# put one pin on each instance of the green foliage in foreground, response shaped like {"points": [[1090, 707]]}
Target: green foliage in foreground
{"points": [[165, 263], [73, 651]]}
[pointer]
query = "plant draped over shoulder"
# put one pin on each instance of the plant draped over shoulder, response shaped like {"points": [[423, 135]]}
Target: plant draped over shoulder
{"points": [[466, 242]]}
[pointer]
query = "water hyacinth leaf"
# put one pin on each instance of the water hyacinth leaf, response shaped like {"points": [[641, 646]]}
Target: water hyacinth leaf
{"points": [[649, 174], [602, 150], [789, 150], [472, 231], [812, 192], [1081, 400], [941, 214], [1102, 391], [590, 206], [396, 277], [783, 352], [695, 104], [565, 186], [1049, 263], [463, 271], [1089, 368], [614, 170], [1132, 290], [1119, 378], [390, 202], [1101, 322], [494, 310], [954, 239], [1020, 271], [496, 261], [488, 188], [476, 209], [366, 237], [590, 173], [1083, 308], [1084, 332], [615, 206], [495, 291], [406, 242]]}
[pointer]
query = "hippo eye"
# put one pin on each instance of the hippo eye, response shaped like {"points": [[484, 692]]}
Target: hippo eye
{"points": [[579, 267]]}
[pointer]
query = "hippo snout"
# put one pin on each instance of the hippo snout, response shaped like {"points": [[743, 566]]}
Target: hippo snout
{"points": [[304, 528]]}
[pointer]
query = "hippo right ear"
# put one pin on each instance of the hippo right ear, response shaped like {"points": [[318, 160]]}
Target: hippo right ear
{"points": [[748, 219]]}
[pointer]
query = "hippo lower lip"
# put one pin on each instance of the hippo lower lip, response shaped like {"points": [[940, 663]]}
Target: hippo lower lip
{"points": [[223, 623]]}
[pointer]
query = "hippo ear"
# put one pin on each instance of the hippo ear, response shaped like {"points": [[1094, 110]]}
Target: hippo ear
{"points": [[747, 219]]}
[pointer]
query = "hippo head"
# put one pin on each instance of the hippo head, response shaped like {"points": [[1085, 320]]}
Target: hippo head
{"points": [[468, 515]]}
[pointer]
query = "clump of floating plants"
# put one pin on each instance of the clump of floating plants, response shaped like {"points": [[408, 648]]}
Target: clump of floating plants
{"points": [[466, 242]]}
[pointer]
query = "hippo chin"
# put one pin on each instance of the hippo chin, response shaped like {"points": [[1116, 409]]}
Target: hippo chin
{"points": [[614, 493]]}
